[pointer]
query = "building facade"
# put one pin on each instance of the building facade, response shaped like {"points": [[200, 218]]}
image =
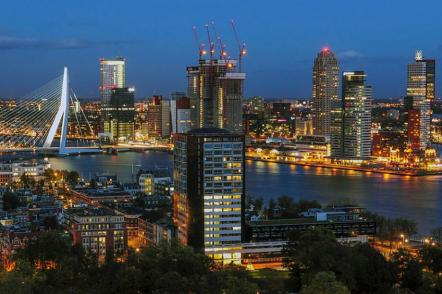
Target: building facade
{"points": [[324, 91], [98, 230], [209, 191], [417, 104], [353, 139], [417, 118], [216, 94], [112, 76], [120, 114], [158, 118], [421, 78], [181, 118]]}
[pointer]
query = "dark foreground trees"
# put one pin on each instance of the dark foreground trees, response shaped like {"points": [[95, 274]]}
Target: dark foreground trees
{"points": [[360, 268], [51, 265]]}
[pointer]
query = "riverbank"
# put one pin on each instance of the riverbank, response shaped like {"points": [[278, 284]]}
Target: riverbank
{"points": [[408, 173]]}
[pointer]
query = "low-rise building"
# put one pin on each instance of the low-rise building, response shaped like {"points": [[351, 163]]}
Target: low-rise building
{"points": [[98, 230], [154, 232]]}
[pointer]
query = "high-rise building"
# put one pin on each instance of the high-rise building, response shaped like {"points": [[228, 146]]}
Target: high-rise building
{"points": [[418, 115], [324, 91], [417, 103], [421, 78], [353, 139], [112, 75], [216, 94], [120, 111], [158, 118], [209, 191], [180, 113]]}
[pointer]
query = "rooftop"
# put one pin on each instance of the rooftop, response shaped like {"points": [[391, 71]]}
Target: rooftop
{"points": [[296, 221], [208, 131], [82, 212]]}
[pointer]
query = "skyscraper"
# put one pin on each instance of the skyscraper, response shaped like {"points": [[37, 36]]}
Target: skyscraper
{"points": [[417, 103], [421, 77], [216, 91], [158, 118], [209, 191], [417, 119], [120, 114], [324, 91], [353, 142], [112, 75]]}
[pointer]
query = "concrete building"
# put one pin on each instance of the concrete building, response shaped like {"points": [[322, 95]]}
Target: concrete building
{"points": [[209, 191], [324, 91], [216, 94]]}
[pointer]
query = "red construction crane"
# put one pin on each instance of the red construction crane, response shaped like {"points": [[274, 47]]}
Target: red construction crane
{"points": [[241, 48], [222, 47], [201, 46], [211, 44]]}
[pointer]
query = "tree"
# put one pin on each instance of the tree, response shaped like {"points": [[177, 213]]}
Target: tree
{"points": [[325, 283], [25, 181], [316, 250], [373, 273], [432, 258], [408, 268], [10, 201], [305, 205], [50, 223], [360, 268], [288, 207], [72, 178], [270, 209], [49, 175], [258, 203]]}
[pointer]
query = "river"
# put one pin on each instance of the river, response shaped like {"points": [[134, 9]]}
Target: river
{"points": [[416, 198]]}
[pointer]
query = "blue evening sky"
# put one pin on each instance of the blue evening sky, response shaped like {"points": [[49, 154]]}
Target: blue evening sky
{"points": [[39, 37]]}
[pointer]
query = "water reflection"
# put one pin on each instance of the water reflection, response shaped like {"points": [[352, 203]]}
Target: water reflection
{"points": [[418, 198]]}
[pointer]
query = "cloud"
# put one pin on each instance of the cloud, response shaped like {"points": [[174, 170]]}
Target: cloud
{"points": [[12, 43], [351, 54]]}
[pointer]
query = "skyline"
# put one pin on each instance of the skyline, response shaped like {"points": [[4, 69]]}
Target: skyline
{"points": [[158, 43]]}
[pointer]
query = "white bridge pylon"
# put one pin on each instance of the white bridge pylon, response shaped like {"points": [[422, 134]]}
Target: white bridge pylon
{"points": [[61, 116]]}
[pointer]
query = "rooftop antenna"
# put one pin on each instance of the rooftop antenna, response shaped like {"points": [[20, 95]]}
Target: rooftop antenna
{"points": [[241, 47], [419, 55]]}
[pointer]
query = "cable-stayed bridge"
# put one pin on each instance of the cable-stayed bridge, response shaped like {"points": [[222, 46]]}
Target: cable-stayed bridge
{"points": [[39, 117]]}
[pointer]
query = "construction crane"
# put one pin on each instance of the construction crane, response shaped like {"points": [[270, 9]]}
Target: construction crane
{"points": [[222, 47], [241, 47], [201, 46], [211, 44]]}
